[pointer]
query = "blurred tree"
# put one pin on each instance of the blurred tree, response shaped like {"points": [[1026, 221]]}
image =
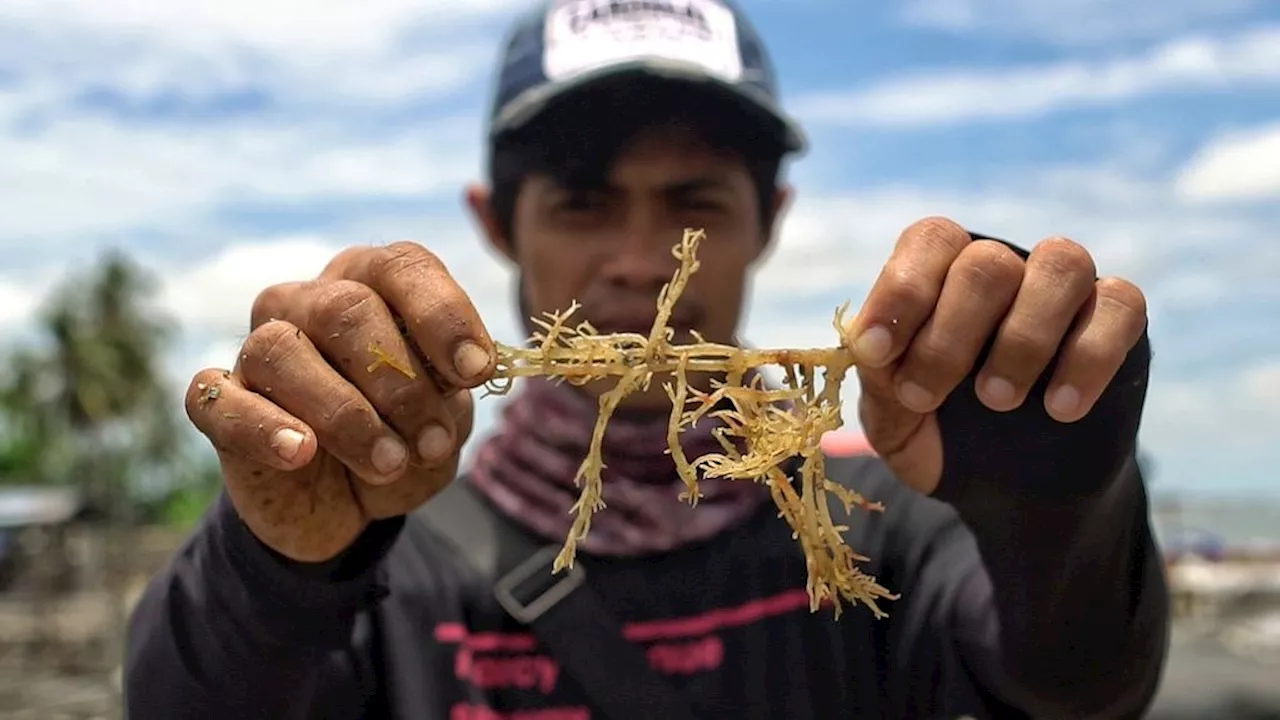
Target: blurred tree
{"points": [[88, 404], [26, 435], [182, 505]]}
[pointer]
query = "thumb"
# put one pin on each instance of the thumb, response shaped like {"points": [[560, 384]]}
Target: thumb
{"points": [[909, 442]]}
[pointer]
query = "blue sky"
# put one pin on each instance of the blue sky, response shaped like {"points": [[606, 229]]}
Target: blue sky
{"points": [[235, 144]]}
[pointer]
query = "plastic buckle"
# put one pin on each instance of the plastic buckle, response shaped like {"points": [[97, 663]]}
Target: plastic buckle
{"points": [[541, 561]]}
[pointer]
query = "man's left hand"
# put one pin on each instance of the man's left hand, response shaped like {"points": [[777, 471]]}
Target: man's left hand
{"points": [[943, 297]]}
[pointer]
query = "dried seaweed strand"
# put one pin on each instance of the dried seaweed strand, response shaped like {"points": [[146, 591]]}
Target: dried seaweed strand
{"points": [[382, 357]]}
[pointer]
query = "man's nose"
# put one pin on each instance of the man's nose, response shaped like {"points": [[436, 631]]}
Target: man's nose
{"points": [[641, 254]]}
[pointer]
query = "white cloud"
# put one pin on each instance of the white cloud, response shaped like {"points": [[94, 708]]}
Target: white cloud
{"points": [[328, 51], [280, 26], [830, 241], [1238, 166], [1263, 383], [991, 94], [90, 175], [17, 304], [1071, 22], [138, 70], [1236, 411], [215, 296], [74, 172]]}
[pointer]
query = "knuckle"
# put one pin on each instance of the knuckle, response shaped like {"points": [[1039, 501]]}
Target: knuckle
{"points": [[938, 233], [409, 398], [1123, 295], [272, 342], [1020, 351], [440, 314], [462, 408], [938, 356], [1062, 256], [403, 257], [1096, 355], [904, 283], [339, 303], [990, 265], [406, 248], [272, 303], [337, 267], [350, 413]]}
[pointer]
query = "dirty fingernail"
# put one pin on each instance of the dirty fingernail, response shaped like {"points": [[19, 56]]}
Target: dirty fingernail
{"points": [[873, 345], [287, 442], [434, 442], [470, 359], [388, 455]]}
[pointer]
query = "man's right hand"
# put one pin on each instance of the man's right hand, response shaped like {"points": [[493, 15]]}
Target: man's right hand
{"points": [[314, 443]]}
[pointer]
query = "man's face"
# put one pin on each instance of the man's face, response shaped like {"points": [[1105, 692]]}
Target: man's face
{"points": [[609, 247]]}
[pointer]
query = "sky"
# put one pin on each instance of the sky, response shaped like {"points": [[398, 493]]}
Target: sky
{"points": [[232, 145]]}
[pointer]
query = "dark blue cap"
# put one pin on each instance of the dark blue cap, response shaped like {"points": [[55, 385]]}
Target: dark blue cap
{"points": [[560, 47]]}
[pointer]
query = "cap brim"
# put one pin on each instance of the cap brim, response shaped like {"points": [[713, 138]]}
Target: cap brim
{"points": [[525, 109]]}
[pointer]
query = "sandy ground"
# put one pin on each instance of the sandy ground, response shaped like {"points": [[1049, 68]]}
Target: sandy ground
{"points": [[59, 698], [1205, 681]]}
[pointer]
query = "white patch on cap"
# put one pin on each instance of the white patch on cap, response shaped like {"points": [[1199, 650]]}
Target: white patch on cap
{"points": [[583, 35]]}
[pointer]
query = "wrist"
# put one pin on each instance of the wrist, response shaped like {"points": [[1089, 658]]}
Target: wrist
{"points": [[310, 603]]}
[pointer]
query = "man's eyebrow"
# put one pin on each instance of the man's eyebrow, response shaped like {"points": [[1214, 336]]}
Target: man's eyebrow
{"points": [[701, 182], [577, 185], [685, 185]]}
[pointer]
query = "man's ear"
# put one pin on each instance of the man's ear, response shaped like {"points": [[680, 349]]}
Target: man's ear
{"points": [[479, 199]]}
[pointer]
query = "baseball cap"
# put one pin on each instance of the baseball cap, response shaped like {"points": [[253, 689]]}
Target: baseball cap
{"points": [[560, 48]]}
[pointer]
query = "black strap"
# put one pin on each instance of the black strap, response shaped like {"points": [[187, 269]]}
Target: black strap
{"points": [[566, 615]]}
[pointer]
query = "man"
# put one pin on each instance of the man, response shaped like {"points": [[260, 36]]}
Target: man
{"points": [[346, 573]]}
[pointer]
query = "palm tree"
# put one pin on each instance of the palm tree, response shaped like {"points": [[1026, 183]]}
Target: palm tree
{"points": [[26, 434], [90, 405]]}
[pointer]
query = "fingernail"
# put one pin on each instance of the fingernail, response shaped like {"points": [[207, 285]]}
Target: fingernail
{"points": [[388, 455], [915, 397], [873, 345], [470, 359], [999, 391], [1064, 401], [434, 442], [287, 442]]}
